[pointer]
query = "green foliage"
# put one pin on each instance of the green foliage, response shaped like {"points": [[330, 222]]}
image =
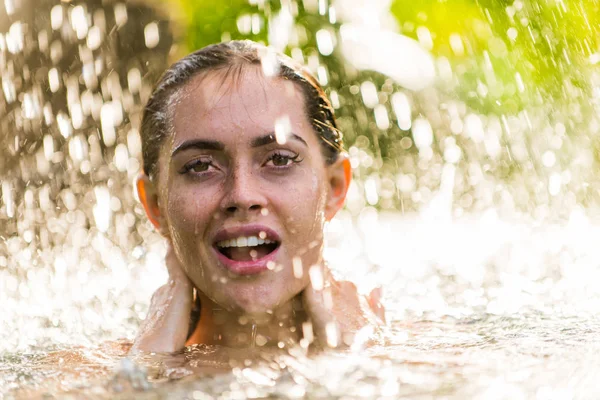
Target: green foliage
{"points": [[209, 21], [516, 54]]}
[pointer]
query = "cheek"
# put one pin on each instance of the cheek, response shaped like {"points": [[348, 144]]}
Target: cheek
{"points": [[303, 205], [188, 212]]}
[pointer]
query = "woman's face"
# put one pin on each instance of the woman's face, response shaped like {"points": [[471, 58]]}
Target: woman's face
{"points": [[243, 189]]}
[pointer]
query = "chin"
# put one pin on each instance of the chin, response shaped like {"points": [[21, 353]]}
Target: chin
{"points": [[257, 300]]}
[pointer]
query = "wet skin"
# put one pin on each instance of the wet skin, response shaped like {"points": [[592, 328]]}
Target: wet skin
{"points": [[223, 175]]}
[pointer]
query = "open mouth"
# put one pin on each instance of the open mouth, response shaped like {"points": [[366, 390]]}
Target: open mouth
{"points": [[247, 248]]}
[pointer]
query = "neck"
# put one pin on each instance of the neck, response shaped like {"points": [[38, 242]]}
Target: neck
{"points": [[234, 329]]}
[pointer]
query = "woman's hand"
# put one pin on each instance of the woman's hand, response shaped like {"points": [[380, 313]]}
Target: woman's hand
{"points": [[339, 315], [165, 328]]}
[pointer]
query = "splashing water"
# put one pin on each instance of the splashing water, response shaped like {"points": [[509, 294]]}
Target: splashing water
{"points": [[473, 204]]}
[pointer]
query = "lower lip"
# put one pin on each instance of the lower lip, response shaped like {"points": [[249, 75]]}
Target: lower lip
{"points": [[252, 267]]}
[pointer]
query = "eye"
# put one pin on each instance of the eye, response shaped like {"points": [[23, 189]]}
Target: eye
{"points": [[282, 160], [198, 166]]}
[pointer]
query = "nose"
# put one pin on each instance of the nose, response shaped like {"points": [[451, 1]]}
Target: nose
{"points": [[243, 194]]}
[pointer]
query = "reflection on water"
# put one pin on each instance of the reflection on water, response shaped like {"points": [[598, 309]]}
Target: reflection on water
{"points": [[493, 305]]}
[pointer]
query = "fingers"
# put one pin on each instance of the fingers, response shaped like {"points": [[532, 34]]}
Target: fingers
{"points": [[317, 299], [335, 309]]}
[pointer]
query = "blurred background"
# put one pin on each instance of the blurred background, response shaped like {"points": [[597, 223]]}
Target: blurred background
{"points": [[469, 123]]}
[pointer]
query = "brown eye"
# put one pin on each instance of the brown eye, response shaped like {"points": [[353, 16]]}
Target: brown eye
{"points": [[197, 166], [280, 160]]}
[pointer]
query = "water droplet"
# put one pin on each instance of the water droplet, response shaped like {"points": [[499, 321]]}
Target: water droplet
{"points": [[79, 21], [322, 75], [422, 133], [256, 24], [121, 14], [121, 158], [269, 63], [244, 24], [151, 35], [94, 38], [369, 94], [297, 268], [54, 80], [261, 340], [325, 42], [7, 198], [9, 6], [64, 124], [307, 332], [322, 7], [134, 80], [56, 17], [332, 15], [381, 117], [315, 274], [332, 334], [456, 44], [253, 335], [554, 184], [101, 211], [424, 36], [283, 128], [371, 191], [548, 159]]}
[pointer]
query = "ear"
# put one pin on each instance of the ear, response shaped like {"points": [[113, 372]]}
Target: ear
{"points": [[148, 195], [339, 178]]}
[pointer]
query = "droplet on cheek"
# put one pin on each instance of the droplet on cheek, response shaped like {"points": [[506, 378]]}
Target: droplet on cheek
{"points": [[297, 266]]}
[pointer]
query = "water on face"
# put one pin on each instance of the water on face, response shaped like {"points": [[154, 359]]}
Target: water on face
{"points": [[462, 165]]}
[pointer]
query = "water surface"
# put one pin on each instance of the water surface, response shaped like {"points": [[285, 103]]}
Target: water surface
{"points": [[479, 308]]}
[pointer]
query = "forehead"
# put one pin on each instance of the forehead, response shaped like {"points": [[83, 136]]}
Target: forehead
{"points": [[237, 103]]}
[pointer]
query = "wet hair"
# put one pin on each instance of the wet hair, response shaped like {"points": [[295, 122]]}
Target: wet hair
{"points": [[232, 57]]}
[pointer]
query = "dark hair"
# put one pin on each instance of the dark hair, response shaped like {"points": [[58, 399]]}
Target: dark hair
{"points": [[156, 119]]}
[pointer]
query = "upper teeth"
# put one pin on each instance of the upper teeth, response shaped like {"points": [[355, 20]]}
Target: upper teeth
{"points": [[244, 241]]}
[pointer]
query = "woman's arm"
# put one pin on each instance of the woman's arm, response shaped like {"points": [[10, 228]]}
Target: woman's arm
{"points": [[165, 329]]}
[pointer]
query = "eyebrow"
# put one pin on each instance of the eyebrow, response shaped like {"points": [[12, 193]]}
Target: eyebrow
{"points": [[270, 138], [202, 144], [198, 144]]}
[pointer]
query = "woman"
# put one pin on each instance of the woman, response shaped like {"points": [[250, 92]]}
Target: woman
{"points": [[243, 166]]}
